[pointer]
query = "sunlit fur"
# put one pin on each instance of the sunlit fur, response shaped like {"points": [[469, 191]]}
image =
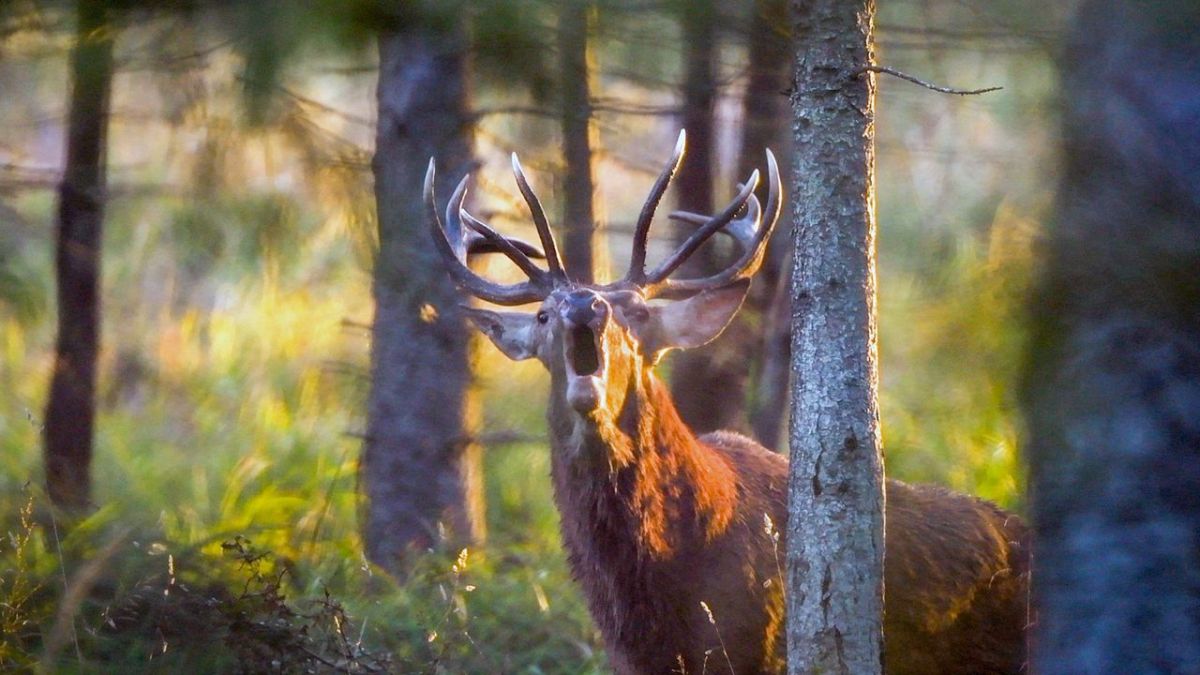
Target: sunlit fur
{"points": [[655, 521], [677, 541]]}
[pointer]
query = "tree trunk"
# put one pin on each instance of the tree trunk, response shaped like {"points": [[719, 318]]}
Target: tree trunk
{"points": [[709, 383], [773, 361], [578, 132], [835, 511], [71, 408], [420, 465], [1112, 386], [765, 114]]}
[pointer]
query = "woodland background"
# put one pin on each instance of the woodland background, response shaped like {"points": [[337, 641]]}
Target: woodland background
{"points": [[226, 517]]}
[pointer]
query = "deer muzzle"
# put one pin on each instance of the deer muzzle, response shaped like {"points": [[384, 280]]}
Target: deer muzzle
{"points": [[585, 317]]}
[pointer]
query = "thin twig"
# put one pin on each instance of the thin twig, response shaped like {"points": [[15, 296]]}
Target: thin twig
{"points": [[905, 76], [323, 661], [514, 110]]}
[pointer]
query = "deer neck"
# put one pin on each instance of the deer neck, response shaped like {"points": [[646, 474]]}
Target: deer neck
{"points": [[639, 476]]}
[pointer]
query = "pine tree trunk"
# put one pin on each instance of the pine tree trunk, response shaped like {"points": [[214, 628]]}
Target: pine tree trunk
{"points": [[1112, 388], [835, 512], [71, 408], [420, 466], [578, 136], [709, 383]]}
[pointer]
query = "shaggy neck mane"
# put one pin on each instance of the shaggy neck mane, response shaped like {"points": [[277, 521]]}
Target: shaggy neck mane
{"points": [[640, 479]]}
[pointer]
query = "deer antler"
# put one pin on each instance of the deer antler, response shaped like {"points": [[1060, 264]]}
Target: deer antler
{"points": [[637, 259], [752, 232], [539, 220], [455, 252]]}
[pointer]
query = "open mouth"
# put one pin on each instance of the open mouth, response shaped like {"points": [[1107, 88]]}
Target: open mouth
{"points": [[585, 369], [584, 352]]}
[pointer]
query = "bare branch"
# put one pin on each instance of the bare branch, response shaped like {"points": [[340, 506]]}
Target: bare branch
{"points": [[970, 33], [635, 109], [514, 110], [905, 76], [336, 112]]}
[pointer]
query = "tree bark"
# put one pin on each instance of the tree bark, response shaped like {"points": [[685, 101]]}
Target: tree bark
{"points": [[420, 466], [835, 511], [71, 408], [578, 139], [1112, 385], [709, 383]]}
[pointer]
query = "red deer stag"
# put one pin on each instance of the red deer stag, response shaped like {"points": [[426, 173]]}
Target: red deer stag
{"points": [[675, 539]]}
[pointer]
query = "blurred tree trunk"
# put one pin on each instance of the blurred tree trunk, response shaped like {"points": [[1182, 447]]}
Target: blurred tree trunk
{"points": [[773, 360], [420, 466], [577, 130], [709, 383], [835, 510], [1112, 386], [765, 119], [71, 408]]}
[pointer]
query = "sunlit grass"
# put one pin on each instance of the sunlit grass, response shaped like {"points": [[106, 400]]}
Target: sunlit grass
{"points": [[237, 420]]}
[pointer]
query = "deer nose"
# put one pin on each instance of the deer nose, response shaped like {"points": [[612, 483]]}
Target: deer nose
{"points": [[583, 307]]}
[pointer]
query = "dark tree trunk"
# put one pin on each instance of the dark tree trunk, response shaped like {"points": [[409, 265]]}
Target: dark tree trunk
{"points": [[420, 466], [773, 360], [694, 183], [765, 115], [577, 130], [1112, 388], [71, 409], [709, 383], [835, 511]]}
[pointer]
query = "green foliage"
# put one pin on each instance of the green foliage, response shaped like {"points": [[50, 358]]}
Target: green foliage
{"points": [[239, 231], [21, 291], [231, 422], [512, 46], [20, 584], [267, 33], [952, 335]]}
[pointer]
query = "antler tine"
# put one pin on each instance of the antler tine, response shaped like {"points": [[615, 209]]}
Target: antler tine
{"points": [[637, 259], [741, 230], [751, 258], [701, 235], [477, 244], [539, 220], [505, 246], [468, 242], [514, 294]]}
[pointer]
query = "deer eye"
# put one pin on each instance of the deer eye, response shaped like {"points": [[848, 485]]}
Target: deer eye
{"points": [[542, 317]]}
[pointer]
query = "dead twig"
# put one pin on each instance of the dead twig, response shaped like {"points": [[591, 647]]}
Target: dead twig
{"points": [[928, 85]]}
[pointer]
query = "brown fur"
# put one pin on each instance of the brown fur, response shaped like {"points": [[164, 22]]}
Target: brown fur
{"points": [[666, 521]]}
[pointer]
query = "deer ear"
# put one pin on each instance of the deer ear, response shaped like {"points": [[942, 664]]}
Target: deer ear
{"points": [[511, 332], [695, 321]]}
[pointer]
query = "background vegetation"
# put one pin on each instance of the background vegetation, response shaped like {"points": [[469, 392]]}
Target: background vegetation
{"points": [[236, 295]]}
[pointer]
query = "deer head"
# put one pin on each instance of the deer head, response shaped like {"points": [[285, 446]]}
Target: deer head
{"points": [[598, 339]]}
